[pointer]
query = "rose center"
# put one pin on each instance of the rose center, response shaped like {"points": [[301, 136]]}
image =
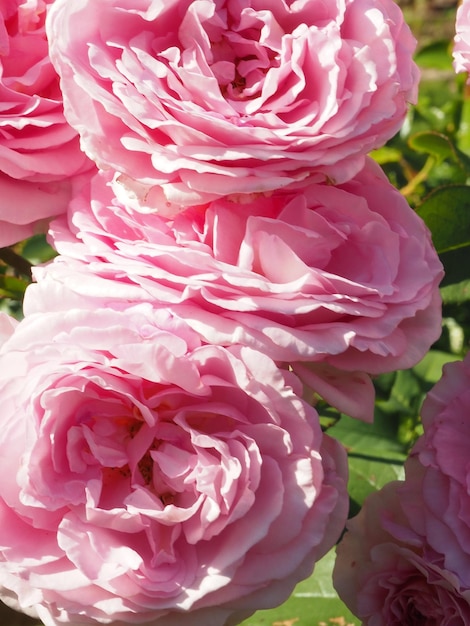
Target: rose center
{"points": [[241, 61]]}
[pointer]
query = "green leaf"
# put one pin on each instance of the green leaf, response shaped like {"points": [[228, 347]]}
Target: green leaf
{"points": [[446, 212], [435, 56], [430, 367], [458, 293], [367, 476], [12, 287], [386, 154], [376, 442], [456, 263], [314, 602], [434, 143], [36, 250], [463, 126]]}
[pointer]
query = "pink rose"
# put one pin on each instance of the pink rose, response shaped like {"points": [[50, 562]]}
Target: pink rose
{"points": [[215, 98], [386, 573], [406, 557], [344, 277], [461, 50], [39, 151], [148, 478], [438, 470], [7, 327]]}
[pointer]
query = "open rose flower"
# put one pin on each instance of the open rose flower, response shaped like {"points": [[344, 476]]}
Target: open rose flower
{"points": [[439, 471], [344, 278], [148, 478], [215, 98], [388, 575], [39, 151], [7, 326], [406, 557], [461, 50]]}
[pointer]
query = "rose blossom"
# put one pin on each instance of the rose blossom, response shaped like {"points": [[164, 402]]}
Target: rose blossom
{"points": [[438, 470], [344, 277], [461, 50], [39, 151], [406, 556], [7, 326], [387, 574], [148, 478], [213, 98]]}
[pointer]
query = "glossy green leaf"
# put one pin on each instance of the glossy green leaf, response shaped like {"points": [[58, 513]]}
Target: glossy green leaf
{"points": [[367, 475], [430, 368], [434, 143], [456, 263], [446, 212], [377, 441], [314, 602], [36, 250]]}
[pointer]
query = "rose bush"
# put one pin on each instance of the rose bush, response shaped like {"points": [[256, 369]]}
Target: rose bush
{"points": [[39, 151], [321, 275], [461, 49], [388, 575], [148, 478], [215, 98]]}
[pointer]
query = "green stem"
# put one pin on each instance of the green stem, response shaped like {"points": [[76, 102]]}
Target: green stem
{"points": [[17, 262], [420, 177]]}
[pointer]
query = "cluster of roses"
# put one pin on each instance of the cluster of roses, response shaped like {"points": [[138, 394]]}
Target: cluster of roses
{"points": [[406, 557], [226, 254]]}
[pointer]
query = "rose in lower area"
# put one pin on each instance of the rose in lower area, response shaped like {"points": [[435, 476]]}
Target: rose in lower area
{"points": [[344, 278], [7, 326], [406, 557], [214, 98], [149, 478], [438, 470], [39, 150], [389, 575]]}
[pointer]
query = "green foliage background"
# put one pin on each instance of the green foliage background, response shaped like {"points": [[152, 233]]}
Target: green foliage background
{"points": [[429, 161]]}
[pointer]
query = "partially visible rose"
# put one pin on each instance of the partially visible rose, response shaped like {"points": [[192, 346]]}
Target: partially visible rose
{"points": [[406, 557], [438, 469], [27, 207], [339, 276], [461, 50], [212, 98], [148, 478], [387, 574], [39, 150]]}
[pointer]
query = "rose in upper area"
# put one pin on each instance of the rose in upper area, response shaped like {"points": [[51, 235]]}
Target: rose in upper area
{"points": [[461, 49], [149, 478], [39, 150], [341, 277], [215, 98], [388, 575]]}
